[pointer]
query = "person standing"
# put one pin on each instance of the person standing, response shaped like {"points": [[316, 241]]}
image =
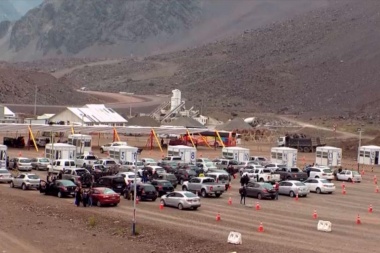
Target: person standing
{"points": [[243, 194], [276, 188], [78, 195]]}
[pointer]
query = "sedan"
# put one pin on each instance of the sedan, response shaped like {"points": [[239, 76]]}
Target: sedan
{"points": [[60, 188], [105, 196], [5, 176], [181, 200], [260, 190], [320, 185], [292, 187], [348, 175], [162, 186]]}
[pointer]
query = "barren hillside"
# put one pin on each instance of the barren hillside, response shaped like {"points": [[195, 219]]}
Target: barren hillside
{"points": [[324, 62]]}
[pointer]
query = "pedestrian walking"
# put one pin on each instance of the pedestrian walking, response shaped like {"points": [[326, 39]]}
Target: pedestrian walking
{"points": [[276, 188], [78, 195], [243, 194]]}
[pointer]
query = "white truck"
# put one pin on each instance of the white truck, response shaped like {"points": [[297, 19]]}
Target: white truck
{"points": [[266, 175], [206, 186]]}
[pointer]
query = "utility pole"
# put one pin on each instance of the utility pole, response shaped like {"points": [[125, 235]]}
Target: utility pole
{"points": [[360, 144], [35, 100]]}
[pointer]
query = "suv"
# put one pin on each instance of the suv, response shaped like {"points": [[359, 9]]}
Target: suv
{"points": [[162, 187], [106, 148], [60, 164], [145, 191], [21, 163], [169, 177], [107, 163], [184, 175], [26, 181], [78, 175], [116, 183], [321, 172], [40, 163], [85, 160]]}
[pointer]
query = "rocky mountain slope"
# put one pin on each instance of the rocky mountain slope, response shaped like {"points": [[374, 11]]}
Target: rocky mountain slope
{"points": [[322, 63]]}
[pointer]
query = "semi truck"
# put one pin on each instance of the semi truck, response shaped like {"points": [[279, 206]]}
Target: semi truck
{"points": [[301, 142]]}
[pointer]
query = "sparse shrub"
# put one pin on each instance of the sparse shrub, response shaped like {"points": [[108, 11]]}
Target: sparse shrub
{"points": [[92, 222]]}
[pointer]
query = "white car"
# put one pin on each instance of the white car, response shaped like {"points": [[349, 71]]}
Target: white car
{"points": [[348, 175], [84, 160], [60, 164], [206, 164], [321, 172], [130, 176], [26, 181], [319, 185], [153, 169], [106, 148], [251, 166], [275, 166], [260, 159], [5, 176], [149, 161]]}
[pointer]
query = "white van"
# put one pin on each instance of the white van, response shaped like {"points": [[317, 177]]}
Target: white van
{"points": [[59, 165]]}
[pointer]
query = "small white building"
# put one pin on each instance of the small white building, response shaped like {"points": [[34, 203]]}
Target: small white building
{"points": [[369, 155], [328, 156], [284, 155], [90, 115], [54, 151], [188, 154], [123, 153], [237, 153], [3, 156], [82, 142]]}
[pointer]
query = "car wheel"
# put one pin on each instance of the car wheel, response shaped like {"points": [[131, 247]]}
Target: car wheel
{"points": [[195, 208], [37, 168], [12, 185], [60, 195], [261, 180], [203, 193], [291, 194], [101, 151], [184, 188], [349, 180], [318, 190], [329, 192], [180, 206], [217, 195], [23, 187], [162, 202], [98, 204], [84, 165], [259, 196], [316, 176], [289, 178], [115, 204]]}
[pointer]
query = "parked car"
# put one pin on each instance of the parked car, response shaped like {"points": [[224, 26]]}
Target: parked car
{"points": [[177, 159], [169, 177], [146, 192], [129, 176], [206, 186], [259, 159], [40, 163], [78, 175], [206, 164], [60, 188], [250, 166], [266, 175], [130, 166], [84, 160], [25, 181], [349, 175], [224, 163], [149, 161], [275, 166], [162, 187], [321, 172], [260, 190], [40, 141], [292, 188], [181, 200], [116, 183], [107, 163], [319, 185], [106, 148], [220, 177], [105, 196], [22, 163], [5, 176], [60, 164], [184, 175], [291, 174]]}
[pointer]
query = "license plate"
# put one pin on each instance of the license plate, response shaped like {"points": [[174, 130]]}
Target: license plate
{"points": [[119, 186]]}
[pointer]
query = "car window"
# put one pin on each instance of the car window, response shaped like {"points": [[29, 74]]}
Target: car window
{"points": [[189, 194], [33, 177], [43, 160], [4, 172], [108, 191], [67, 163], [72, 163], [118, 180], [298, 184], [22, 176], [324, 181], [294, 170], [327, 171], [208, 180], [67, 183], [91, 157], [149, 188], [25, 161], [267, 186]]}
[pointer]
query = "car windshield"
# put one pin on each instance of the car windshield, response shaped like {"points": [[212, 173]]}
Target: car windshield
{"points": [[33, 177], [223, 177], [67, 183], [110, 162], [268, 186], [131, 176], [208, 180], [25, 161], [4, 172], [355, 173], [167, 184], [249, 170], [299, 184], [118, 180], [139, 164], [191, 172], [261, 159], [324, 181], [43, 160], [327, 171], [189, 194], [108, 191], [294, 170], [91, 157], [149, 188]]}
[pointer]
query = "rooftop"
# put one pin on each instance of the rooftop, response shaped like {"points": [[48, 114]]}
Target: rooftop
{"points": [[97, 114]]}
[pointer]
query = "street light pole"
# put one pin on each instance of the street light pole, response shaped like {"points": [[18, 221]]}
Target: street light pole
{"points": [[360, 144], [35, 101], [134, 196]]}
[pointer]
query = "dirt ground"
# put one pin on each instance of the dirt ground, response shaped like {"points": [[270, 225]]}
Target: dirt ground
{"points": [[53, 223]]}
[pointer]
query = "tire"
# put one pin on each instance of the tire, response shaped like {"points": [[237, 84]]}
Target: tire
{"points": [[101, 151], [289, 178], [98, 204], [300, 149], [291, 194], [12, 185], [184, 188], [24, 187], [84, 165], [329, 192], [180, 206], [36, 168], [318, 190], [195, 208], [261, 180], [273, 197], [59, 194], [349, 180], [306, 150], [316, 177], [203, 193], [163, 202], [218, 195], [115, 204], [259, 196]]}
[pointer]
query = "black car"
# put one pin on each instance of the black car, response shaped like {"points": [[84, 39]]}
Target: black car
{"points": [[184, 175], [116, 183], [60, 188], [169, 177], [144, 192], [162, 187]]}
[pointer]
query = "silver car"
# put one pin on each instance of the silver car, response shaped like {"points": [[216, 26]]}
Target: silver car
{"points": [[292, 188], [26, 181], [5, 176], [181, 200], [21, 163], [40, 163]]}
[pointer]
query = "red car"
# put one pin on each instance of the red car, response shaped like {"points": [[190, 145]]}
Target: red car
{"points": [[105, 196]]}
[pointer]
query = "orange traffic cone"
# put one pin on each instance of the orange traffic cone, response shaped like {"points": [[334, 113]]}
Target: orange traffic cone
{"points": [[358, 220], [343, 185], [344, 191], [377, 189], [315, 215], [258, 207], [261, 228], [230, 201], [218, 217], [296, 199], [137, 200], [370, 209], [161, 206]]}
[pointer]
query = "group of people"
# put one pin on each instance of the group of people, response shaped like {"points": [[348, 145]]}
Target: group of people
{"points": [[83, 196]]}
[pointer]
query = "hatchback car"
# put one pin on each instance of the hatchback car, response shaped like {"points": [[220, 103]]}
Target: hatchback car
{"points": [[321, 172], [40, 163], [162, 187], [349, 175], [105, 196], [181, 200], [260, 190], [26, 181], [319, 185], [5, 176], [20, 163], [144, 192], [116, 183], [292, 187]]}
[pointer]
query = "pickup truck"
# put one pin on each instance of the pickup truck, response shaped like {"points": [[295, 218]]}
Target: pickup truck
{"points": [[223, 164], [205, 185], [78, 175], [266, 175], [291, 174]]}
